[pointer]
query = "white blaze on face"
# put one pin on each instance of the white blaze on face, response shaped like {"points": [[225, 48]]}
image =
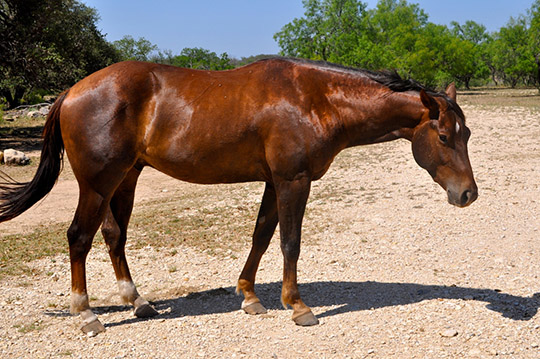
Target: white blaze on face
{"points": [[457, 127]]}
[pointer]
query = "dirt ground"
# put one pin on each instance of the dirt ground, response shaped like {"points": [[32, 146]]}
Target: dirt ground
{"points": [[390, 269]]}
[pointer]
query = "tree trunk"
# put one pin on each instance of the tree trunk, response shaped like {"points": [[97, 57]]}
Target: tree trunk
{"points": [[493, 75], [14, 98]]}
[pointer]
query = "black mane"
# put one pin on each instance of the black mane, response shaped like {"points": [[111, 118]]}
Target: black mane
{"points": [[388, 78]]}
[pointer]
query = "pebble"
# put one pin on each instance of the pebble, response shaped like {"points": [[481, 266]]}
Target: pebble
{"points": [[474, 352], [449, 333]]}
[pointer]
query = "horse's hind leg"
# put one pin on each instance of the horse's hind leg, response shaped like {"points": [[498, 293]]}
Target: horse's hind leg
{"points": [[267, 221], [114, 230], [88, 217]]}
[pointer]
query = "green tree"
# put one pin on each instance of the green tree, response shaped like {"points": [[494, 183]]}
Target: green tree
{"points": [[131, 49], [395, 34], [534, 40], [163, 57], [199, 58], [394, 28], [48, 44], [465, 52], [328, 30], [512, 58], [470, 31], [426, 60]]}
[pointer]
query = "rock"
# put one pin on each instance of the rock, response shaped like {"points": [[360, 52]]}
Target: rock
{"points": [[33, 114], [449, 333], [44, 111], [14, 157]]}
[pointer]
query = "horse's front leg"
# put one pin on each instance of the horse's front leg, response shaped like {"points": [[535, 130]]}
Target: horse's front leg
{"points": [[291, 200], [264, 230]]}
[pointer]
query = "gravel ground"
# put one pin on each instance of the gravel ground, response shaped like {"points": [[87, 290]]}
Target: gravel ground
{"points": [[389, 268]]}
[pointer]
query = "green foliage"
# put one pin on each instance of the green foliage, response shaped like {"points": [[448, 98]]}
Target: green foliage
{"points": [[196, 58], [534, 41], [327, 31], [48, 44], [397, 35], [511, 55], [131, 49]]}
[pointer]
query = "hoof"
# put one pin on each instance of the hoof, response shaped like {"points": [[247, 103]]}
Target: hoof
{"points": [[145, 311], [91, 325], [253, 308], [306, 319], [93, 328]]}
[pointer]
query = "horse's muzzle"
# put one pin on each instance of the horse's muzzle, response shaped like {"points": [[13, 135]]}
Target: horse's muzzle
{"points": [[463, 198]]}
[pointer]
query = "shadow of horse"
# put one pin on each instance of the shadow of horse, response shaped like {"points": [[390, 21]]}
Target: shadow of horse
{"points": [[348, 296]]}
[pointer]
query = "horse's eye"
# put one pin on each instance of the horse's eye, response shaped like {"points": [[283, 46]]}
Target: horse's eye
{"points": [[443, 139]]}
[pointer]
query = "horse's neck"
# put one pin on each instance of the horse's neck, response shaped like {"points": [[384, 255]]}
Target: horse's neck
{"points": [[379, 116]]}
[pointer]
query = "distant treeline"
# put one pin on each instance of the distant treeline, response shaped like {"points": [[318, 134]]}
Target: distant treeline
{"points": [[397, 35], [48, 45]]}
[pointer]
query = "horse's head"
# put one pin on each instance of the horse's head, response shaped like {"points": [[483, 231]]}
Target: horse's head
{"points": [[439, 145]]}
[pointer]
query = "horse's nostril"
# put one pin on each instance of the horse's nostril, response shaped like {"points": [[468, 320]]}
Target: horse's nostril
{"points": [[465, 197]]}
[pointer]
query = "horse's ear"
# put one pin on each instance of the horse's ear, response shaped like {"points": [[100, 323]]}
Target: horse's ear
{"points": [[451, 91], [431, 104]]}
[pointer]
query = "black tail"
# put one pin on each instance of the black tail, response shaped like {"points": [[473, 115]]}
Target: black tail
{"points": [[17, 197]]}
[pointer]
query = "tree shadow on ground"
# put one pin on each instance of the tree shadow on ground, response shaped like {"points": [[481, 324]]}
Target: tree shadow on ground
{"points": [[21, 138], [348, 296]]}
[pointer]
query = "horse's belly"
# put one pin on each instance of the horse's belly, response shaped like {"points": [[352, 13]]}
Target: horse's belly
{"points": [[215, 166]]}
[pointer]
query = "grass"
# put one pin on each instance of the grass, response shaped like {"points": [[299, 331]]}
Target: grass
{"points": [[198, 219], [16, 251], [20, 124], [23, 131], [27, 328]]}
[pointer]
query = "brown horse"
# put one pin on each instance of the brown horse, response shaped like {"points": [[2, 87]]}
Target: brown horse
{"points": [[281, 121]]}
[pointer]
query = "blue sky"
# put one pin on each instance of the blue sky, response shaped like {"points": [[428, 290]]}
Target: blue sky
{"points": [[244, 28]]}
